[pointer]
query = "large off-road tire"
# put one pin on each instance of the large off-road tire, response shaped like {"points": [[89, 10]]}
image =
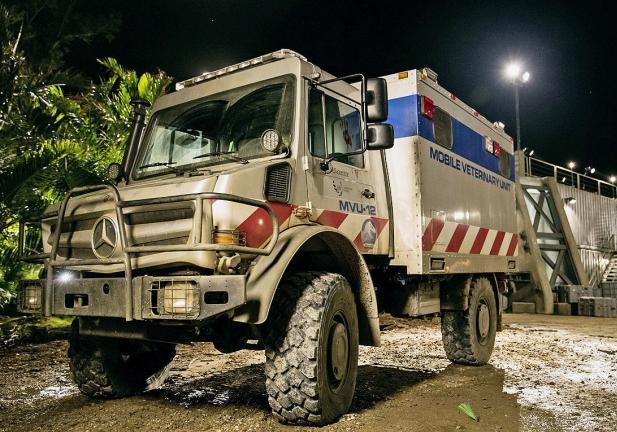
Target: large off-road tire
{"points": [[113, 368], [469, 336], [312, 349]]}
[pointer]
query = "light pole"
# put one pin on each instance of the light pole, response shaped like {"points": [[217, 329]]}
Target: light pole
{"points": [[572, 165], [514, 73]]}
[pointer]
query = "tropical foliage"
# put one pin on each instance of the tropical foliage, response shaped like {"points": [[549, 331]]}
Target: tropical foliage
{"points": [[55, 133]]}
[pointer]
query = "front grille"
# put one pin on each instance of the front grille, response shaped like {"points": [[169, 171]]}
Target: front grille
{"points": [[167, 226], [158, 216], [278, 179]]}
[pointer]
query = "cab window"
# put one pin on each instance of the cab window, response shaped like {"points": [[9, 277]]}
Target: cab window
{"points": [[334, 127]]}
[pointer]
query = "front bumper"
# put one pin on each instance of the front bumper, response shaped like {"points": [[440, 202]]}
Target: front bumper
{"points": [[189, 298], [142, 297]]}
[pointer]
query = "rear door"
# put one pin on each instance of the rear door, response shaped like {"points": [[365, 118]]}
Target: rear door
{"points": [[343, 197]]}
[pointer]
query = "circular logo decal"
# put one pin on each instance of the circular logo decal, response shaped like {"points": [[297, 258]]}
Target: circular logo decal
{"points": [[104, 237], [368, 234]]}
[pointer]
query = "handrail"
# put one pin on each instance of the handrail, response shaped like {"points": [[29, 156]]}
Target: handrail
{"points": [[535, 167]]}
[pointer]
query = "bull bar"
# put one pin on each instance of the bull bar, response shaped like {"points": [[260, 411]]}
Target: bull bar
{"points": [[127, 251]]}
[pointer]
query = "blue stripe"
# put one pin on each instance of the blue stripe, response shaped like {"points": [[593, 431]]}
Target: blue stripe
{"points": [[403, 115]]}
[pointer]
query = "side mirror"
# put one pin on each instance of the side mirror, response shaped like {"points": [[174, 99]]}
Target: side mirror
{"points": [[380, 136], [376, 100]]}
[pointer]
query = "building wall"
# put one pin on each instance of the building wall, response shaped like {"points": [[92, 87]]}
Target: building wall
{"points": [[593, 219]]}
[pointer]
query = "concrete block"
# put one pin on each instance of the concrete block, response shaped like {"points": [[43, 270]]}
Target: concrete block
{"points": [[611, 307], [562, 309], [597, 306], [584, 306], [523, 307]]}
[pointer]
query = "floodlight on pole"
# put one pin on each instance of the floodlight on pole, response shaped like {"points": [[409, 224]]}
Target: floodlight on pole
{"points": [[517, 77]]}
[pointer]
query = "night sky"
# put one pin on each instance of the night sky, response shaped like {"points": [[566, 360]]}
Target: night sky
{"points": [[567, 108]]}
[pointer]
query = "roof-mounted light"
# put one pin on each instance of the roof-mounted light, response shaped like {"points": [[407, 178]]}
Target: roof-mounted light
{"points": [[266, 58], [428, 73]]}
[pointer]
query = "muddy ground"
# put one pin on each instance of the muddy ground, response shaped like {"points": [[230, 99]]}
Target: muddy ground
{"points": [[547, 373]]}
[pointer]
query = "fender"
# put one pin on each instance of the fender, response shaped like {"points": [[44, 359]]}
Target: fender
{"points": [[297, 245]]}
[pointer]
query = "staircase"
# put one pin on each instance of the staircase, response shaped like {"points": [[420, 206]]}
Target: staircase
{"points": [[610, 274]]}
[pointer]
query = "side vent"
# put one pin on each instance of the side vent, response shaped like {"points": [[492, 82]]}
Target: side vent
{"points": [[278, 180]]}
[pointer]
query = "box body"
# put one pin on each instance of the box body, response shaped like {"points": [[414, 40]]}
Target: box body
{"points": [[453, 193]]}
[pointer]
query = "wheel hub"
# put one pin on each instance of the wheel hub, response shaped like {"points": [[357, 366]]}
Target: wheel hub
{"points": [[339, 351], [484, 319]]}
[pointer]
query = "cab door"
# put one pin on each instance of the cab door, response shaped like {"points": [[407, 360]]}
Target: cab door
{"points": [[344, 196]]}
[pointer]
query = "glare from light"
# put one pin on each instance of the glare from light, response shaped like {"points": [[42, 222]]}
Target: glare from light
{"points": [[571, 165], [590, 170], [612, 179], [513, 70], [459, 215], [525, 77], [64, 277]]}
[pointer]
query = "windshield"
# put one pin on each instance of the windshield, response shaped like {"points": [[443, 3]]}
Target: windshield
{"points": [[222, 128]]}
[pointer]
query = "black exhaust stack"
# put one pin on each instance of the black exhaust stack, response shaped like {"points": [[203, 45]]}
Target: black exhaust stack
{"points": [[140, 107]]}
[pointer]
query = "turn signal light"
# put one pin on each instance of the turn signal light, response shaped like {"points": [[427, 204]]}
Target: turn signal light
{"points": [[428, 107], [229, 237]]}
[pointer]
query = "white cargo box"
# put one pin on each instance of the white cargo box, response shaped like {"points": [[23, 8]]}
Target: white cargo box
{"points": [[452, 175]]}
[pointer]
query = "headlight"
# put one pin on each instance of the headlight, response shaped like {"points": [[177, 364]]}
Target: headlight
{"points": [[31, 296], [180, 298]]}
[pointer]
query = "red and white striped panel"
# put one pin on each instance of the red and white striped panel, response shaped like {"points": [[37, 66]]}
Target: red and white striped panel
{"points": [[445, 236], [254, 222], [257, 226], [352, 226]]}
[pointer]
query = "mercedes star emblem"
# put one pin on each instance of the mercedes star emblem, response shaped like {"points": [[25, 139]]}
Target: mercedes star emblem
{"points": [[104, 237]]}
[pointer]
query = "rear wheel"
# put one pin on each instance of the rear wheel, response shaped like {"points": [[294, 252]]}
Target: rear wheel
{"points": [[312, 349], [469, 336], [113, 368]]}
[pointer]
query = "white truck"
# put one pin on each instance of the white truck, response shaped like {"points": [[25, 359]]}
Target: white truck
{"points": [[269, 205]]}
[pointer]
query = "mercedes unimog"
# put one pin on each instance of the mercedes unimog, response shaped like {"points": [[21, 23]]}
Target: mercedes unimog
{"points": [[271, 205]]}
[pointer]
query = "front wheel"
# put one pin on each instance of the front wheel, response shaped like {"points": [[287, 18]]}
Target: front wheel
{"points": [[111, 368], [312, 349], [469, 336]]}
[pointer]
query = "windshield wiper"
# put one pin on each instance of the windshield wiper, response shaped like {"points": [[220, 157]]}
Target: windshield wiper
{"points": [[225, 155], [169, 165]]}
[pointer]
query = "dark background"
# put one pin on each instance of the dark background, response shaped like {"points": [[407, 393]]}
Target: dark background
{"points": [[567, 108]]}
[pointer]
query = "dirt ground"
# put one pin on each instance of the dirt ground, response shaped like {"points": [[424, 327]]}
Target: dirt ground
{"points": [[547, 373]]}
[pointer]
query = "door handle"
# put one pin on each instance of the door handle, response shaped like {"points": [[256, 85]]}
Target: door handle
{"points": [[367, 193]]}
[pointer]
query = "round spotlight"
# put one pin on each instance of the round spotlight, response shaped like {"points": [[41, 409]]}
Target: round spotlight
{"points": [[270, 140], [115, 172], [525, 77], [513, 70], [612, 179], [571, 165]]}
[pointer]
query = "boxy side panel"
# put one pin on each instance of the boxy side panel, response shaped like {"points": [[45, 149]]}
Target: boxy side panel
{"points": [[454, 200]]}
